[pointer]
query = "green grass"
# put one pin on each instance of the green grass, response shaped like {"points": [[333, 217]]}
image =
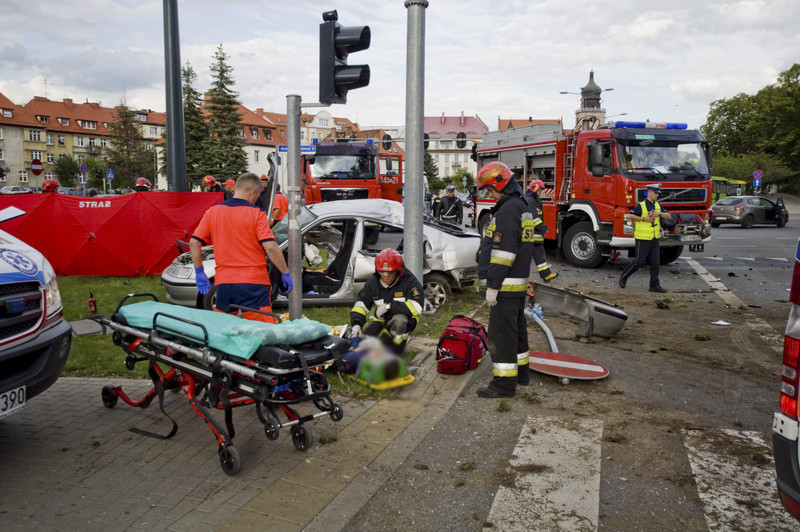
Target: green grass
{"points": [[97, 356]]}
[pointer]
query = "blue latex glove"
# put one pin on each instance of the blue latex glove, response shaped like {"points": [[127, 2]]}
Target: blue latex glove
{"points": [[286, 281], [203, 284]]}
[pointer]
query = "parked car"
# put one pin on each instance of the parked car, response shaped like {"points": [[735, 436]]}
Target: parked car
{"points": [[8, 189], [34, 337], [785, 424], [340, 242], [748, 210]]}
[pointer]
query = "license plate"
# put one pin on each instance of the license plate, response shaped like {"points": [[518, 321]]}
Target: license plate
{"points": [[12, 400], [689, 238]]}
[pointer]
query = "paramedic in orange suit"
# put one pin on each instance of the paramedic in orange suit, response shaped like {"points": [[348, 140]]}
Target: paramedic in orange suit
{"points": [[240, 234]]}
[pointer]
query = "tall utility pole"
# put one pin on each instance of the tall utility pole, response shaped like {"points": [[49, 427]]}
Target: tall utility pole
{"points": [[176, 137], [295, 251], [413, 187]]}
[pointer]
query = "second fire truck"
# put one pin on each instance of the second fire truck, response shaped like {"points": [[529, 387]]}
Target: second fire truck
{"points": [[593, 177]]}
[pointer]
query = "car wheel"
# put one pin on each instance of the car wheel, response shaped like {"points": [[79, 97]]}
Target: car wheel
{"points": [[437, 290], [580, 246], [783, 220], [210, 298], [670, 254], [747, 223], [715, 224]]}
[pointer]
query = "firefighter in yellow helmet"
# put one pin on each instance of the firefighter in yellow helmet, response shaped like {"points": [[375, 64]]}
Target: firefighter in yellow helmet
{"points": [[504, 267]]}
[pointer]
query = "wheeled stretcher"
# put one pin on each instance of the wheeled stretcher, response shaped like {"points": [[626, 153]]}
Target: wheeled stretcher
{"points": [[222, 362]]}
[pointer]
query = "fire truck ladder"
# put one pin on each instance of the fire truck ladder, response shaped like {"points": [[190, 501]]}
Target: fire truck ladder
{"points": [[569, 159]]}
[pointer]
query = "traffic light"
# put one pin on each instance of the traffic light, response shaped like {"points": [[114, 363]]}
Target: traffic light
{"points": [[336, 42], [461, 140], [2, 174], [98, 174], [426, 141], [387, 142]]}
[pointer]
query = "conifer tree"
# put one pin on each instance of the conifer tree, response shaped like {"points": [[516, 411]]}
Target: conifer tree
{"points": [[196, 129], [225, 156], [126, 152]]}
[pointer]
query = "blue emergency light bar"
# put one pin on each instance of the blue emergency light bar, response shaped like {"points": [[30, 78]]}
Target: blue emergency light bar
{"points": [[642, 125]]}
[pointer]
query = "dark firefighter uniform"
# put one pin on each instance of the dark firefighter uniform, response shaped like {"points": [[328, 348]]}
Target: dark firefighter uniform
{"points": [[504, 265], [648, 249], [539, 230], [404, 299]]}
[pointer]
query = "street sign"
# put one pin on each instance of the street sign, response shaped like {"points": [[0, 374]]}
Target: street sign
{"points": [[36, 166], [758, 174], [566, 367], [110, 174], [756, 183], [83, 168], [303, 149]]}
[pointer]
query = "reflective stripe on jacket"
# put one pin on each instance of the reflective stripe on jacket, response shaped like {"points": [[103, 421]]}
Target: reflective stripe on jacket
{"points": [[647, 230]]}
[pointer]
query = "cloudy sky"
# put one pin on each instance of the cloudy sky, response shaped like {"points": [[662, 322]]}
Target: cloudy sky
{"points": [[666, 60]]}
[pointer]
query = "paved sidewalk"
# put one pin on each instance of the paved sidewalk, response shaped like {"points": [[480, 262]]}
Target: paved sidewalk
{"points": [[70, 463]]}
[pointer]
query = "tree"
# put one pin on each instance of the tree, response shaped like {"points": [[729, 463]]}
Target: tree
{"points": [[463, 179], [197, 132], [730, 125], [126, 153], [225, 155], [431, 172], [66, 170], [778, 119]]}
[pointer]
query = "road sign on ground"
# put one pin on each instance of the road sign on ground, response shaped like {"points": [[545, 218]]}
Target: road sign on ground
{"points": [[36, 166], [566, 366]]}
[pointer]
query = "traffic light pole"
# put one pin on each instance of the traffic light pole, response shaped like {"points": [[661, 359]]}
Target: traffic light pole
{"points": [[176, 138], [294, 236], [413, 186]]}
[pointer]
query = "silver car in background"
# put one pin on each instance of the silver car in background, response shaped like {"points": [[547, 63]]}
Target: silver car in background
{"points": [[748, 210], [340, 242]]}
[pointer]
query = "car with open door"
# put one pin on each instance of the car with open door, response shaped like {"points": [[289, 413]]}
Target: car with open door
{"points": [[340, 242]]}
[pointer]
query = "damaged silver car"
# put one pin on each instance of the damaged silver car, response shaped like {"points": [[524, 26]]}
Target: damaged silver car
{"points": [[340, 242]]}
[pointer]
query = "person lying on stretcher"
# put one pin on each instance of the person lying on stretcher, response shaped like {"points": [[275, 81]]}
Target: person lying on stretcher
{"points": [[397, 297]]}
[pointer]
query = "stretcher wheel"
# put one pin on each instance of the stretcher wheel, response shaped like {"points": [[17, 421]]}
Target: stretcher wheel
{"points": [[301, 437], [109, 399], [336, 412], [229, 459], [271, 430]]}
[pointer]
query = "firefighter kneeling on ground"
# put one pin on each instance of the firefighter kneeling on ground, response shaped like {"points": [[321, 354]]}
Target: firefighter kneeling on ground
{"points": [[503, 268], [539, 230], [397, 296]]}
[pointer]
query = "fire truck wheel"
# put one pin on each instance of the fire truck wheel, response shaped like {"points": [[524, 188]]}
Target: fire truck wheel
{"points": [[670, 254], [210, 298], [580, 246], [437, 290]]}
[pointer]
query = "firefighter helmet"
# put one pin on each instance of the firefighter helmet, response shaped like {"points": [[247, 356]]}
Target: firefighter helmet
{"points": [[209, 180], [536, 185], [389, 260], [142, 184], [495, 174], [50, 185]]}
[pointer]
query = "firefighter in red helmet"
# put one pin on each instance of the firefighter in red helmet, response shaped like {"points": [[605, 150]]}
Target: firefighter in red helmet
{"points": [[210, 184], [539, 230], [397, 298], [50, 185], [503, 268], [142, 185]]}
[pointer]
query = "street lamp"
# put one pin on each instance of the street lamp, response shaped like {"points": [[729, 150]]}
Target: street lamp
{"points": [[619, 114]]}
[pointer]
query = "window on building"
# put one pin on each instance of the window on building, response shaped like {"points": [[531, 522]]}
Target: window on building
{"points": [[153, 130], [62, 156], [62, 140], [50, 158], [103, 143], [35, 154], [283, 134], [444, 144], [323, 122], [141, 117], [88, 124], [42, 119], [148, 145], [7, 113], [49, 139], [240, 132], [255, 156], [49, 175], [79, 141], [23, 176], [254, 132], [81, 158], [35, 135], [446, 158], [267, 134], [64, 121], [1, 132], [92, 141]]}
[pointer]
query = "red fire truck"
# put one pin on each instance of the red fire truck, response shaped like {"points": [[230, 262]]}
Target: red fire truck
{"points": [[594, 177], [351, 169]]}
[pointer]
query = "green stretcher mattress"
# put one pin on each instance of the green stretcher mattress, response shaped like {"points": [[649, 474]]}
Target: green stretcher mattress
{"points": [[226, 333]]}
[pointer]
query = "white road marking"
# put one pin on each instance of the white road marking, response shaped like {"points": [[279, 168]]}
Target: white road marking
{"points": [[782, 259], [555, 471], [745, 258], [735, 476]]}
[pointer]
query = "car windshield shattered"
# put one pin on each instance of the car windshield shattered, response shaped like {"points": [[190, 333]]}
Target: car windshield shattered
{"points": [[687, 159], [281, 229]]}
